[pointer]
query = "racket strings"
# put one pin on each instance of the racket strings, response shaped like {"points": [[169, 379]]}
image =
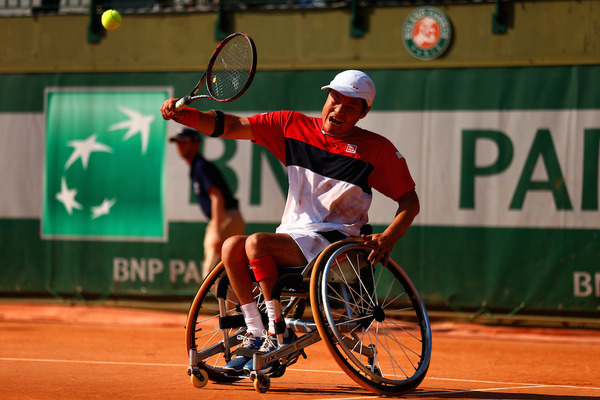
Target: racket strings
{"points": [[231, 69]]}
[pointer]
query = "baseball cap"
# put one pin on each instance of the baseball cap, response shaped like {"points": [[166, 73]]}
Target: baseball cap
{"points": [[353, 83], [186, 134]]}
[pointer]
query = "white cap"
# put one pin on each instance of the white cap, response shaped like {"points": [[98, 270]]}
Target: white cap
{"points": [[353, 83]]}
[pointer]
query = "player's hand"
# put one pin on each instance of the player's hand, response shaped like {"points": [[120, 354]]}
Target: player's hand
{"points": [[382, 247], [167, 110]]}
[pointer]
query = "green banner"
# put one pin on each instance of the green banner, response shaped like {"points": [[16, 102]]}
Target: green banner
{"points": [[451, 89], [104, 165]]}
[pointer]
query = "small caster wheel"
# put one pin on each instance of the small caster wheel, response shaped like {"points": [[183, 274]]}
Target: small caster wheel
{"points": [[199, 378], [262, 384]]}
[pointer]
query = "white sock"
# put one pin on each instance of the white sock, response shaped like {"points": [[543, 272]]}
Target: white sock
{"points": [[253, 319], [271, 313]]}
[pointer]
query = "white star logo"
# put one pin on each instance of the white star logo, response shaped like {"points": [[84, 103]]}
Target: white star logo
{"points": [[137, 123], [67, 197], [83, 149], [103, 208]]}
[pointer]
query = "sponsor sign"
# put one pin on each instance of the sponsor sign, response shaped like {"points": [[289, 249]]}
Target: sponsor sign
{"points": [[426, 33], [104, 165], [528, 169]]}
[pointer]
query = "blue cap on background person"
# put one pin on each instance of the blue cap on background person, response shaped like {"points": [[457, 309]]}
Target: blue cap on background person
{"points": [[353, 83], [186, 134]]}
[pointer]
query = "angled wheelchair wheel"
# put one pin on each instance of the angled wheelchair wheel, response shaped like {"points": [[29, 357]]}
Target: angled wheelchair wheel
{"points": [[371, 318], [214, 322]]}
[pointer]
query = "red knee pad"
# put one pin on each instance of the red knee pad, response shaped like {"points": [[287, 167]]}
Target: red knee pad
{"points": [[263, 268]]}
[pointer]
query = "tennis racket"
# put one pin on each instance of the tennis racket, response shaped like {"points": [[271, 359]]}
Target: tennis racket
{"points": [[229, 72]]}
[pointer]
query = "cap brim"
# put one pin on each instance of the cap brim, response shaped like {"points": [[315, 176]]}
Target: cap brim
{"points": [[182, 139], [345, 93]]}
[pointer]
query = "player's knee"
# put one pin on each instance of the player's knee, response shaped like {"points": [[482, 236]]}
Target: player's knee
{"points": [[233, 248], [256, 245]]}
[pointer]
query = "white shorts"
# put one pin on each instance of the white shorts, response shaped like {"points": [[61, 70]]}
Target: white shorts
{"points": [[310, 243]]}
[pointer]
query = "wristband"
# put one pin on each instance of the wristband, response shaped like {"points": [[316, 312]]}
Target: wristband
{"points": [[219, 123], [191, 117]]}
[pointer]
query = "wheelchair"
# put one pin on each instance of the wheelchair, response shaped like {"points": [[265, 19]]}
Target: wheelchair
{"points": [[370, 317]]}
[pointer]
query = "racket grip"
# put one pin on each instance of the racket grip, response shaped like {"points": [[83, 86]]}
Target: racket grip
{"points": [[181, 103]]}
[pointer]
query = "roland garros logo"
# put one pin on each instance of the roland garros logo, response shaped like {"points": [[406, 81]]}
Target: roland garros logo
{"points": [[426, 33]]}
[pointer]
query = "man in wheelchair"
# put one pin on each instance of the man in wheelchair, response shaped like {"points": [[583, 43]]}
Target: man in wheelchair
{"points": [[332, 166]]}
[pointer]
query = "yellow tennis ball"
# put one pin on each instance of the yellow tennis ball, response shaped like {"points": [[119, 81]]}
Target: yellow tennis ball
{"points": [[215, 79], [111, 19]]}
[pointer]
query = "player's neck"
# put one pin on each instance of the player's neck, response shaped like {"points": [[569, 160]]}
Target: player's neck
{"points": [[340, 136]]}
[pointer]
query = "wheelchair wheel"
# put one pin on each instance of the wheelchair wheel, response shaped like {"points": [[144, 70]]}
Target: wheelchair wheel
{"points": [[215, 321], [371, 318], [204, 335]]}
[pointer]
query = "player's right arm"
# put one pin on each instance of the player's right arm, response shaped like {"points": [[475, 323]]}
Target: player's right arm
{"points": [[204, 122]]}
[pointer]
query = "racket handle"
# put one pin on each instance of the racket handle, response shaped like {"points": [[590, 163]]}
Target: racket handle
{"points": [[181, 103]]}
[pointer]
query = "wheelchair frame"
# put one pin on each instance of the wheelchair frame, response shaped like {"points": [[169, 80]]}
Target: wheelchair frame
{"points": [[370, 317]]}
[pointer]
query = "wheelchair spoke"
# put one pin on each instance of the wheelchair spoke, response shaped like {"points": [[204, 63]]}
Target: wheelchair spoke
{"points": [[386, 347], [209, 318], [355, 266], [392, 336], [338, 297], [408, 332]]}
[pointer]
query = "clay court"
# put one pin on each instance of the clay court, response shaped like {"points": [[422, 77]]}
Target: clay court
{"points": [[80, 352]]}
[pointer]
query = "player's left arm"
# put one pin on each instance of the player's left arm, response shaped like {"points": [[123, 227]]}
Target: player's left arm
{"points": [[383, 243], [234, 127]]}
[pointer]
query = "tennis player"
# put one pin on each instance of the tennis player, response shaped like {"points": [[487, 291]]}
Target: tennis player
{"points": [[332, 166]]}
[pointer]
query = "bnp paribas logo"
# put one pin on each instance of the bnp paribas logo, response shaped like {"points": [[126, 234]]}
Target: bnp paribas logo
{"points": [[426, 33], [105, 155]]}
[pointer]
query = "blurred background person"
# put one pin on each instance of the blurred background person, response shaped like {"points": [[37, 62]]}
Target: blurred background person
{"points": [[214, 197]]}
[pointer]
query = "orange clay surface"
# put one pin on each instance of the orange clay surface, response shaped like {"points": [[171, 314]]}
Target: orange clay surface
{"points": [[95, 352]]}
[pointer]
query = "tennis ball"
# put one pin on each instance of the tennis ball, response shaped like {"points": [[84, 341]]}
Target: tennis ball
{"points": [[215, 79], [111, 19]]}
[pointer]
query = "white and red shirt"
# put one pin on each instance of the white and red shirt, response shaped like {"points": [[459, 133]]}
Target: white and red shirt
{"points": [[330, 179]]}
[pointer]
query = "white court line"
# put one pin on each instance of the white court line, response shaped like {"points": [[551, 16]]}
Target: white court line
{"points": [[511, 383], [453, 392], [93, 362], [141, 364], [318, 371], [479, 381], [520, 384], [478, 390], [353, 398]]}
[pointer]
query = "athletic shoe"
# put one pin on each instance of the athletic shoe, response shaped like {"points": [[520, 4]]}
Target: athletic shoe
{"points": [[269, 344], [243, 353]]}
